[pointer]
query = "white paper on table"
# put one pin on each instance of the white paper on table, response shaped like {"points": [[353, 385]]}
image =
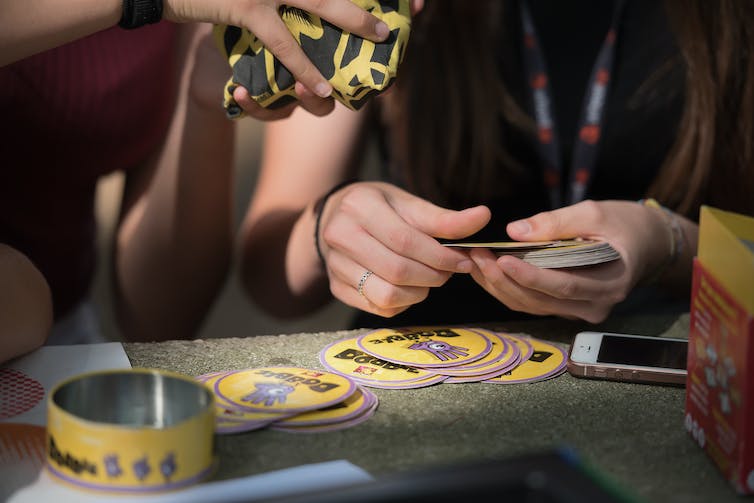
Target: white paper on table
{"points": [[287, 482], [25, 384], [49, 365]]}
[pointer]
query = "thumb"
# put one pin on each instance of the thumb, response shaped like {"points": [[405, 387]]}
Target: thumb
{"points": [[564, 223], [440, 222]]}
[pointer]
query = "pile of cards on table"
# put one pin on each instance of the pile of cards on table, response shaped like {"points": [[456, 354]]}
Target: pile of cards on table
{"points": [[550, 254], [289, 399], [401, 358]]}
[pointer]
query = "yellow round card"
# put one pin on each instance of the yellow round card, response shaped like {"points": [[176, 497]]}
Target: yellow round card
{"points": [[547, 360], [430, 347], [282, 389], [523, 345], [353, 406], [231, 420], [504, 354], [344, 357]]}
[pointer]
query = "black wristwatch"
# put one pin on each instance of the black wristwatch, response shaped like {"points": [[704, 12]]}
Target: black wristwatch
{"points": [[137, 13]]}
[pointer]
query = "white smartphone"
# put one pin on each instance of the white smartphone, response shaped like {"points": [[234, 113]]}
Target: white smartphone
{"points": [[624, 357]]}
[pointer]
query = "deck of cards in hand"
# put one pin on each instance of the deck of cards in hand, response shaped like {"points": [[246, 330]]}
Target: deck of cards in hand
{"points": [[549, 254], [289, 399], [415, 357]]}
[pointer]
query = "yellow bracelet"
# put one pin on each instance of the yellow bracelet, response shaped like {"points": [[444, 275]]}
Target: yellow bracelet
{"points": [[677, 238]]}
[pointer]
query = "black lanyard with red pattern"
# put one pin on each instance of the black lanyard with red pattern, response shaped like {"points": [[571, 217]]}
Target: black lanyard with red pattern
{"points": [[590, 122]]}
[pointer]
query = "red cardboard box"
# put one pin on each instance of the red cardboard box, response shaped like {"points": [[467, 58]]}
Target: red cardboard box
{"points": [[720, 385]]}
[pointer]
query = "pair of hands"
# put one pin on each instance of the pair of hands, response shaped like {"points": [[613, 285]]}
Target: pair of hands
{"points": [[381, 228], [262, 18]]}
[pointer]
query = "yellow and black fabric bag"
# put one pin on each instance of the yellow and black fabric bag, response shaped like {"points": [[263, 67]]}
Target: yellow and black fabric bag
{"points": [[358, 69]]}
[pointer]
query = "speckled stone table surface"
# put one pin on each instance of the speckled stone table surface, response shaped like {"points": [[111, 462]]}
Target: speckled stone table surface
{"points": [[632, 433]]}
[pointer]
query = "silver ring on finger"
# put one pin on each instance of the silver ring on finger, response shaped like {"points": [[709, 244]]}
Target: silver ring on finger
{"points": [[362, 281]]}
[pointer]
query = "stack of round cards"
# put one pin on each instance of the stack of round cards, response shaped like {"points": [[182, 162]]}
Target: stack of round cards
{"points": [[287, 398], [417, 357]]}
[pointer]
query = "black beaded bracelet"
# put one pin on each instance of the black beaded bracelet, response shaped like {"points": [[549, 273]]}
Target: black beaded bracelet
{"points": [[137, 13], [318, 208]]}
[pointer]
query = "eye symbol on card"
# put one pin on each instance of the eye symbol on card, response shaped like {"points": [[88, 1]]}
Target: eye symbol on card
{"points": [[268, 393], [442, 350]]}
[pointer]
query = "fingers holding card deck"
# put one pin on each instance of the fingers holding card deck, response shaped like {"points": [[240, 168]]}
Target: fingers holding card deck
{"points": [[588, 294], [362, 231], [377, 209]]}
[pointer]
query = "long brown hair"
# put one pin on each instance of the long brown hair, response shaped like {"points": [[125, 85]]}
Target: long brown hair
{"points": [[450, 143], [450, 102], [711, 161]]}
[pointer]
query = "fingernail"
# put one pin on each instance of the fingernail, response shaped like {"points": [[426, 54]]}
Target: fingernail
{"points": [[381, 30], [521, 227], [465, 266], [323, 89]]}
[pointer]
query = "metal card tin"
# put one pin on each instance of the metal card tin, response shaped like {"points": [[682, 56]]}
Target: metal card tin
{"points": [[139, 430]]}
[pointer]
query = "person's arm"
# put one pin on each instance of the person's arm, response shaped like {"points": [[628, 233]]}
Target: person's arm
{"points": [[303, 157], [25, 305], [365, 226], [174, 242], [31, 26]]}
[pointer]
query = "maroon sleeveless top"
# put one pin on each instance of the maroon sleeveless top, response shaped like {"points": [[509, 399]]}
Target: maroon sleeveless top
{"points": [[68, 116]]}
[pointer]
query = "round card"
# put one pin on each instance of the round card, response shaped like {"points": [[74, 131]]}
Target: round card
{"points": [[205, 377], [228, 420], [355, 405], [523, 344], [223, 427], [282, 389], [503, 355], [480, 378], [428, 347], [547, 360], [321, 428], [345, 358], [429, 381]]}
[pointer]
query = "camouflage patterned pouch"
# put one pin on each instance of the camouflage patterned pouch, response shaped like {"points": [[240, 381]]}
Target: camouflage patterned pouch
{"points": [[357, 68]]}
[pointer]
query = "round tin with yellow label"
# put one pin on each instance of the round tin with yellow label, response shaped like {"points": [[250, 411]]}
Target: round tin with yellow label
{"points": [[282, 389], [428, 347], [344, 357], [138, 430]]}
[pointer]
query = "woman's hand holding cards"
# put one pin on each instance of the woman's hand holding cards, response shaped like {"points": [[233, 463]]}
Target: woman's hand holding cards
{"points": [[379, 244], [638, 233]]}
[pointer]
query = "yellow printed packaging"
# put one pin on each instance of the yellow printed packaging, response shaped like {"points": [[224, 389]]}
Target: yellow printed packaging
{"points": [[719, 398], [133, 431], [358, 69]]}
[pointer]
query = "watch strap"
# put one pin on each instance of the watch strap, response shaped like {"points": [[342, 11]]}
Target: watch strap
{"points": [[137, 13]]}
